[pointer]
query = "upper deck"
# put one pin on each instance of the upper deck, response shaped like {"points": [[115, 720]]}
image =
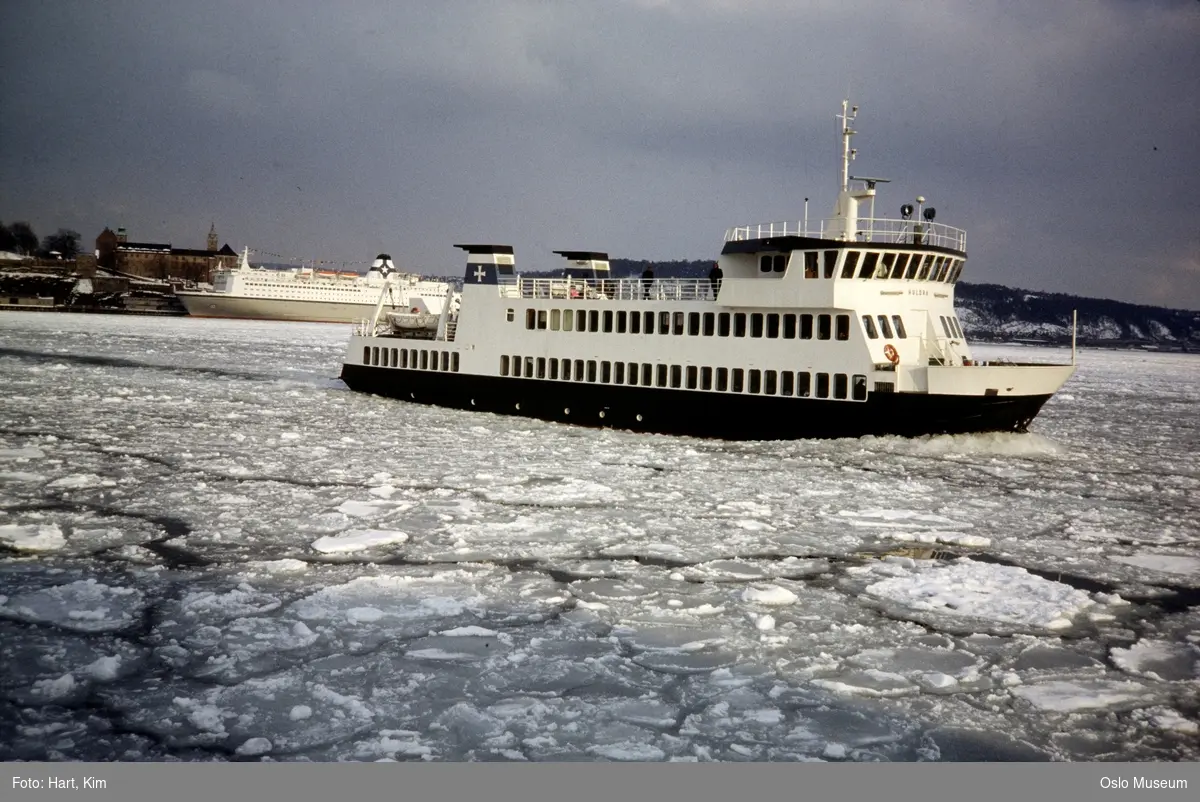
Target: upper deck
{"points": [[876, 230]]}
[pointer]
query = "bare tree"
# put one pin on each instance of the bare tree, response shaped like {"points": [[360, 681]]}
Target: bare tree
{"points": [[65, 241]]}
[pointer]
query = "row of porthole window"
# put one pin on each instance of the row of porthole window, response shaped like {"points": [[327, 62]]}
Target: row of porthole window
{"points": [[773, 325], [804, 384], [412, 358]]}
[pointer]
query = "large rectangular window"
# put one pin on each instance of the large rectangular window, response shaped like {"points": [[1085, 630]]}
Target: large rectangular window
{"points": [[840, 386], [618, 373], [843, 327], [660, 378], [635, 322], [676, 376], [622, 322], [889, 261], [608, 321], [528, 367], [822, 385], [677, 328], [541, 367], [885, 328], [789, 327], [738, 380], [755, 377], [555, 319], [581, 320], [773, 325], [901, 265], [914, 264], [553, 368], [631, 374], [591, 371], [566, 370], [898, 322], [710, 324], [694, 324], [723, 324], [811, 259], [606, 372], [830, 263], [769, 382], [869, 325], [664, 322], [693, 373], [787, 383], [739, 324], [756, 324], [648, 322], [824, 323], [579, 375], [804, 384], [504, 364], [647, 375], [868, 266], [722, 379], [593, 320], [541, 319], [454, 362], [424, 360], [445, 360], [860, 387], [568, 320], [806, 327], [530, 318]]}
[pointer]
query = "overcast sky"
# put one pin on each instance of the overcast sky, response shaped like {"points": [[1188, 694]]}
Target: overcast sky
{"points": [[1063, 136]]}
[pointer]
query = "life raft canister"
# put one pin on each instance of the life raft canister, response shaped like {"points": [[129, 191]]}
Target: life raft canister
{"points": [[891, 354]]}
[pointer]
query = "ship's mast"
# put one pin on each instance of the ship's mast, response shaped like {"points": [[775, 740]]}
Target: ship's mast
{"points": [[848, 153]]}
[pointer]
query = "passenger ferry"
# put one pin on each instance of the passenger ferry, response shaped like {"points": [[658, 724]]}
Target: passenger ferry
{"points": [[321, 296], [842, 328]]}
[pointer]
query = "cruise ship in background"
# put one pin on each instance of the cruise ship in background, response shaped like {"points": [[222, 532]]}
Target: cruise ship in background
{"points": [[320, 296]]}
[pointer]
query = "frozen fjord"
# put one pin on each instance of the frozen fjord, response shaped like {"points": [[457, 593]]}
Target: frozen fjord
{"points": [[209, 548]]}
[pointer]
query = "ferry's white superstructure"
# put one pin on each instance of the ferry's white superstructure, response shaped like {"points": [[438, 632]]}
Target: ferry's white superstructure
{"points": [[308, 294], [844, 327]]}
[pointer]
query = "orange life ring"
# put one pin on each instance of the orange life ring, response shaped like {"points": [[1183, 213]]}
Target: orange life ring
{"points": [[890, 353]]}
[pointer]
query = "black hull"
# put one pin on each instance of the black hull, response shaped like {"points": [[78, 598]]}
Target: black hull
{"points": [[726, 416]]}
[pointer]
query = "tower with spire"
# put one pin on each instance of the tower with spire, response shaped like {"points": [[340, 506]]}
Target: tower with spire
{"points": [[212, 237]]}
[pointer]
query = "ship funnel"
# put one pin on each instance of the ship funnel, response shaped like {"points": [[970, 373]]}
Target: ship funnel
{"points": [[586, 264], [487, 264], [383, 265]]}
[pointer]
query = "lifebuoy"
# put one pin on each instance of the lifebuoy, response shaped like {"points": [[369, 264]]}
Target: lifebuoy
{"points": [[890, 353], [416, 311]]}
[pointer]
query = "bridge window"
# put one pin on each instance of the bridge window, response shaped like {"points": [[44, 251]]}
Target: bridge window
{"points": [[764, 264], [889, 261], [706, 376], [710, 322], [787, 383], [913, 264], [899, 324], [504, 364], [756, 324], [622, 321], [840, 386], [780, 263], [868, 266], [739, 324], [860, 387], [694, 324], [851, 262], [869, 325], [885, 327], [901, 263], [739, 380], [804, 384], [723, 324], [926, 263], [843, 327], [773, 325], [830, 263], [822, 385], [722, 379]]}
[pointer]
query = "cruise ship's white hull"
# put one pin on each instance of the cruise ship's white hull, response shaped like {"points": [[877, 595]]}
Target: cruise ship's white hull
{"points": [[210, 304]]}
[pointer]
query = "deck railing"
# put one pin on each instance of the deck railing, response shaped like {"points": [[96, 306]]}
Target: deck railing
{"points": [[615, 289], [868, 229]]}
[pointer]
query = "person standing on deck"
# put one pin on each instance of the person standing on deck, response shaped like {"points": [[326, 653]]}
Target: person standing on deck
{"points": [[647, 279], [714, 279]]}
